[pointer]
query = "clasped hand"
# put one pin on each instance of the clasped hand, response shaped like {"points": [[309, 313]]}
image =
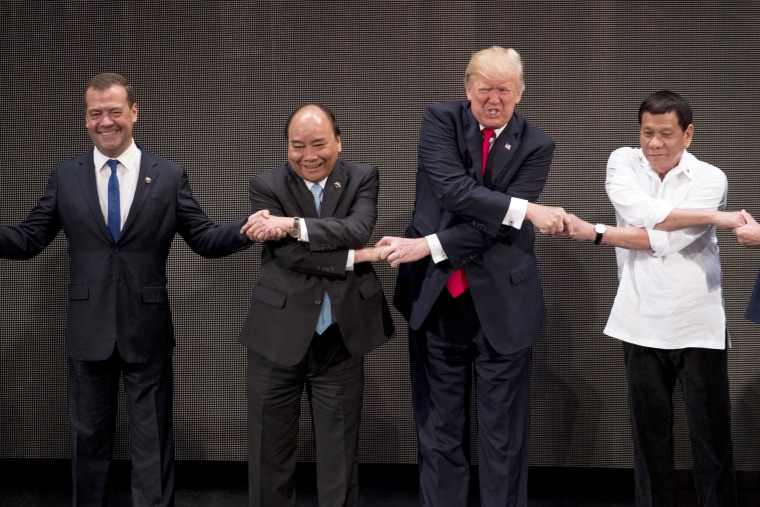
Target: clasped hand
{"points": [[748, 234], [263, 226]]}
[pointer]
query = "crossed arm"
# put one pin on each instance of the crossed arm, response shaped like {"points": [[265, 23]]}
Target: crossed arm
{"points": [[637, 238], [351, 231]]}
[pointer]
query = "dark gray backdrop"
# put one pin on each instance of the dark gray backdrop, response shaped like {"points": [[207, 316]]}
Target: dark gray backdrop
{"points": [[215, 82]]}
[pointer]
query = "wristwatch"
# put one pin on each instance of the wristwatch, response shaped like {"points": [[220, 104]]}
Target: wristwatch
{"points": [[295, 231], [600, 229]]}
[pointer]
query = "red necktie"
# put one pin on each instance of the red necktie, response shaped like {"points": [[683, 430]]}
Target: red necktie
{"points": [[457, 282]]}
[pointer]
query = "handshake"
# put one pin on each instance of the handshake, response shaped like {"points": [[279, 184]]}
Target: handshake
{"points": [[741, 223], [556, 222], [551, 220]]}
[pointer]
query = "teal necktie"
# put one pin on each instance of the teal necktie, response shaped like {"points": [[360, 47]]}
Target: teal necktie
{"points": [[325, 316]]}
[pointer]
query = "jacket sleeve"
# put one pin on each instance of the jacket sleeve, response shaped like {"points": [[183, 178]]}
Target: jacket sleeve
{"points": [[203, 236], [473, 236], [353, 230], [38, 229], [448, 175], [330, 238]]}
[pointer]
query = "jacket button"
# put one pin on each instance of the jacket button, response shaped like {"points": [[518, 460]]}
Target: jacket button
{"points": [[317, 301]]}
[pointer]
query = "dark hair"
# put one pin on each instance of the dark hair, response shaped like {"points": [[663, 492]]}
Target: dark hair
{"points": [[322, 108], [106, 80], [665, 101]]}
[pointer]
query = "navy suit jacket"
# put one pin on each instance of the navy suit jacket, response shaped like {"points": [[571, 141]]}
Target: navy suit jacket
{"points": [[294, 275], [753, 307], [465, 209], [117, 290]]}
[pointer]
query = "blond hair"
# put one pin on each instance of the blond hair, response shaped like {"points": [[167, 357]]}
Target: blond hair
{"points": [[496, 63]]}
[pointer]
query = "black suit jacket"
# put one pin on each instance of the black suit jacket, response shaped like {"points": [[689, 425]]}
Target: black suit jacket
{"points": [[465, 209], [294, 276], [117, 290]]}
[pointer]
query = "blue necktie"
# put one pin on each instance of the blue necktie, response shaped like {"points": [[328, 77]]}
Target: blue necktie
{"points": [[114, 201], [325, 316]]}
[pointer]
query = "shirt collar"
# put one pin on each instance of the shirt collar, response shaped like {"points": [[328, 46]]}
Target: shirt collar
{"points": [[310, 184], [686, 165], [498, 131], [127, 159]]}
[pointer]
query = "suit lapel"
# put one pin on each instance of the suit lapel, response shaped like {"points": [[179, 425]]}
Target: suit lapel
{"points": [[502, 152], [86, 175], [336, 182], [145, 182], [301, 194], [474, 140]]}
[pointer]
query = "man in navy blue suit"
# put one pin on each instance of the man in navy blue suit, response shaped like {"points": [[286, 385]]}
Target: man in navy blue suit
{"points": [[469, 285], [748, 236], [120, 208]]}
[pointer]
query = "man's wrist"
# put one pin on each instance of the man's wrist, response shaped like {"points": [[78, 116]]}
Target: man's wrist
{"points": [[599, 230], [295, 229]]}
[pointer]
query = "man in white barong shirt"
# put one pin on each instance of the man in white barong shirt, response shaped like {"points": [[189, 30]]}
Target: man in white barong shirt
{"points": [[668, 311]]}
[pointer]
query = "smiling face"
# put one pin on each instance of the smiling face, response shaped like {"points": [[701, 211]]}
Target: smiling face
{"points": [[663, 141], [109, 119], [313, 146], [493, 101]]}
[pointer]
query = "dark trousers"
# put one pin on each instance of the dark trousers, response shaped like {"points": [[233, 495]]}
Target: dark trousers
{"points": [[93, 399], [651, 376], [334, 382], [442, 353]]}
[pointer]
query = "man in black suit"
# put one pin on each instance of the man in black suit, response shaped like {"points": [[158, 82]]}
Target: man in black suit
{"points": [[317, 308], [469, 285], [120, 208]]}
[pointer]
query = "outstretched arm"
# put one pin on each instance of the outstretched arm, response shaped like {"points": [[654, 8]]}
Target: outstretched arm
{"points": [[637, 238]]}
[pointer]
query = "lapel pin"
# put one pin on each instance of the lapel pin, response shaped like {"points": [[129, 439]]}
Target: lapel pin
{"points": [[147, 179], [336, 184], [508, 146]]}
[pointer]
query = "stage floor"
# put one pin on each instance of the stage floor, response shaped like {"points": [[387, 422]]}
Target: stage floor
{"points": [[223, 484]]}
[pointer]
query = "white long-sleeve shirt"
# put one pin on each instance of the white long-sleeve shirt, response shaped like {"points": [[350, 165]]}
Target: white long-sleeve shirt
{"points": [[669, 297]]}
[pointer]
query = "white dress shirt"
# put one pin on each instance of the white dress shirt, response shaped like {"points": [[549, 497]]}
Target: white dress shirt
{"points": [[127, 171], [669, 297]]}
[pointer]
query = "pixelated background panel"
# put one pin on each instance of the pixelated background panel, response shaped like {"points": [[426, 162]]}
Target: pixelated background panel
{"points": [[215, 82]]}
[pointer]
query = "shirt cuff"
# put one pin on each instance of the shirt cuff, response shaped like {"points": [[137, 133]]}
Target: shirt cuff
{"points": [[659, 241], [516, 213], [350, 260], [436, 249], [304, 232], [658, 212]]}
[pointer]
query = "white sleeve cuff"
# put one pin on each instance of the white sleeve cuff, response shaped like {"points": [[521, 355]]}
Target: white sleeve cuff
{"points": [[436, 249], [659, 241], [516, 213], [304, 232]]}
